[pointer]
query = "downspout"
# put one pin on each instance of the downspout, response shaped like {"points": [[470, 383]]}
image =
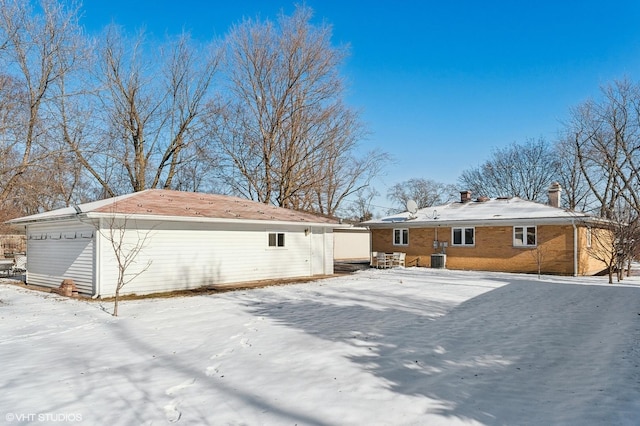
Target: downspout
{"points": [[327, 261], [575, 248], [370, 246], [96, 257]]}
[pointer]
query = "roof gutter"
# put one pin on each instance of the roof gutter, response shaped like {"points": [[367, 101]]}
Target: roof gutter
{"points": [[482, 222], [201, 219], [20, 222], [204, 219]]}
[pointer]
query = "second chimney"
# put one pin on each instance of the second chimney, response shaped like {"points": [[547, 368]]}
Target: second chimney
{"points": [[465, 196], [555, 190]]}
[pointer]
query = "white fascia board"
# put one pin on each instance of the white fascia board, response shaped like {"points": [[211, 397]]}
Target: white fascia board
{"points": [[351, 228], [92, 215], [27, 221]]}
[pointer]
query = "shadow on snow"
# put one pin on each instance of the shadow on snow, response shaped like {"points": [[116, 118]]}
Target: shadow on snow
{"points": [[504, 357]]}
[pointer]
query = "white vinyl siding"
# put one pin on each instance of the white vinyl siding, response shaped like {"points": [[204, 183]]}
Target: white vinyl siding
{"points": [[61, 251], [185, 256], [351, 244], [320, 254]]}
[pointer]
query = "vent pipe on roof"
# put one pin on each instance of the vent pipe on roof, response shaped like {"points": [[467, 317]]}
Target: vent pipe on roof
{"points": [[555, 190]]}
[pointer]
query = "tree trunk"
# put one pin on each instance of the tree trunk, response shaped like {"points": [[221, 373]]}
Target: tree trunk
{"points": [[115, 304]]}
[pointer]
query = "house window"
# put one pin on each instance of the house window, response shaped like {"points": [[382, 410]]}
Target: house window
{"points": [[463, 236], [276, 239], [401, 237], [524, 236]]}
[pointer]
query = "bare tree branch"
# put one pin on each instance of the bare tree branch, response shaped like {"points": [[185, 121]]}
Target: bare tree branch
{"points": [[284, 135]]}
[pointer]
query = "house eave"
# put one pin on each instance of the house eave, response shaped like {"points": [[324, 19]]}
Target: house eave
{"points": [[188, 219], [100, 215], [481, 222], [26, 221]]}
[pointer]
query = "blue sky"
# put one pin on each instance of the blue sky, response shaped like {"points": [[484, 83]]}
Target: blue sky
{"points": [[439, 83]]}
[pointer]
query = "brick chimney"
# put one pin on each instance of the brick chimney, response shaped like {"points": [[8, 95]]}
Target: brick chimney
{"points": [[465, 196], [555, 190]]}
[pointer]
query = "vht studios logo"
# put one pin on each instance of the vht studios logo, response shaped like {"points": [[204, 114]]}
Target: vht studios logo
{"points": [[43, 417]]}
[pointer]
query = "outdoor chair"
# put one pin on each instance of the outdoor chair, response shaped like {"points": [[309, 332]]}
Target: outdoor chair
{"points": [[374, 259], [383, 261], [6, 266], [20, 263], [398, 259]]}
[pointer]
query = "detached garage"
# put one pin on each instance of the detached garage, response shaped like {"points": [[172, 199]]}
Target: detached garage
{"points": [[186, 240]]}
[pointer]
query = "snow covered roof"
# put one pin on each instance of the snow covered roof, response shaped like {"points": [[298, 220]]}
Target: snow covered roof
{"points": [[482, 212], [181, 206]]}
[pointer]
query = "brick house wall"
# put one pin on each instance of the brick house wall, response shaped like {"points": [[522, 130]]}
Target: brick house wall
{"points": [[494, 249]]}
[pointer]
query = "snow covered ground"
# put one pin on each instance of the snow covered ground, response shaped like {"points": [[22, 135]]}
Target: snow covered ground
{"points": [[390, 347]]}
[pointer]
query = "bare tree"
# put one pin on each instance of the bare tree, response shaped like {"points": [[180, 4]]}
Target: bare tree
{"points": [[606, 140], [49, 184], [150, 111], [197, 173], [338, 175], [360, 208], [627, 232], [613, 239], [12, 100], [424, 192], [521, 170], [539, 254], [284, 135], [578, 195], [126, 249], [38, 49]]}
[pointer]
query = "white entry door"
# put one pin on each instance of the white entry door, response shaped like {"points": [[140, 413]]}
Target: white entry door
{"points": [[317, 251]]}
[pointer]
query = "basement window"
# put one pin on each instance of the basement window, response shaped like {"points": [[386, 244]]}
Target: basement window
{"points": [[525, 236], [463, 236], [276, 239]]}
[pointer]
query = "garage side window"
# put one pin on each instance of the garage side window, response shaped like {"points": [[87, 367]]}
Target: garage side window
{"points": [[276, 239], [524, 236], [401, 237]]}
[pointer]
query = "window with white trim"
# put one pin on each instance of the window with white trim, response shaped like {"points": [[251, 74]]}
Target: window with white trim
{"points": [[525, 236], [463, 236], [401, 237], [276, 239]]}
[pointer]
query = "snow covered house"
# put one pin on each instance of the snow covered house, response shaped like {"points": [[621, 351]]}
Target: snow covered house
{"points": [[187, 240], [499, 234]]}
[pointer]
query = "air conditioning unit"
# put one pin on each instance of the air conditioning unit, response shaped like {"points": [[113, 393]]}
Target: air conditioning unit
{"points": [[439, 260]]}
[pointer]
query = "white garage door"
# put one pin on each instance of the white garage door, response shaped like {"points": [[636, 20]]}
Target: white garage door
{"points": [[61, 252]]}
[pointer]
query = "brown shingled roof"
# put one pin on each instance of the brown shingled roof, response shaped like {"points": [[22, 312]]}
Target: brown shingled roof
{"points": [[163, 202]]}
